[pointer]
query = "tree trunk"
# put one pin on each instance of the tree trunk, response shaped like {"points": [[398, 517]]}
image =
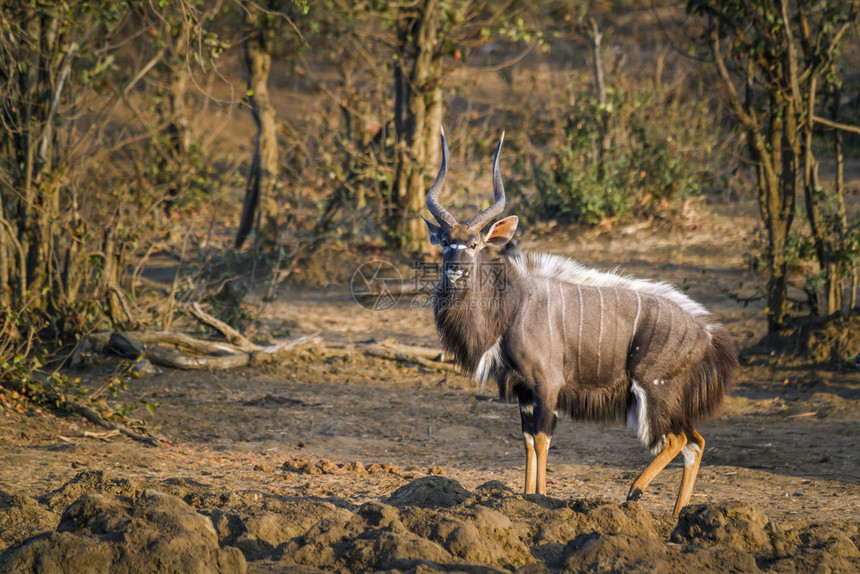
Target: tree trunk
{"points": [[32, 211], [417, 105], [826, 211], [600, 84], [177, 129], [435, 116], [261, 206], [777, 192]]}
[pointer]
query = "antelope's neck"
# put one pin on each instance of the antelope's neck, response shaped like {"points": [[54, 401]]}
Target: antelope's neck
{"points": [[470, 320]]}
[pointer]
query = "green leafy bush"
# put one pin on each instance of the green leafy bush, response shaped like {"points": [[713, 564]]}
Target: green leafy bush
{"points": [[624, 158]]}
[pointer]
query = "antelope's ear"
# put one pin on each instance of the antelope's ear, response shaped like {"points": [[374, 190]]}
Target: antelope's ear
{"points": [[502, 231], [434, 231]]}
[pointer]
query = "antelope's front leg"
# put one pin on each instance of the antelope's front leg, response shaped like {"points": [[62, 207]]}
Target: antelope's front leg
{"points": [[527, 420], [545, 418]]}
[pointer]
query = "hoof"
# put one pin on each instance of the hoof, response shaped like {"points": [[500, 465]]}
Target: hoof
{"points": [[634, 494]]}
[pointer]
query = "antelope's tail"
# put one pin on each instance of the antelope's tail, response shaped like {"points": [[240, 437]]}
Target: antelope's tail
{"points": [[713, 378]]}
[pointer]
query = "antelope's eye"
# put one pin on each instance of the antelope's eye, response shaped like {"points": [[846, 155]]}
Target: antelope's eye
{"points": [[445, 243], [473, 245]]}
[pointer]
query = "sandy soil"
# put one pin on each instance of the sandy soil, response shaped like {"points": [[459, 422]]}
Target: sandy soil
{"points": [[779, 488]]}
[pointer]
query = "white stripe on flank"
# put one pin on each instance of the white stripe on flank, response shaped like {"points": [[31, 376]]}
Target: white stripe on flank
{"points": [[600, 333], [635, 323], [548, 314], [523, 322], [579, 339], [638, 312], [563, 315], [691, 452]]}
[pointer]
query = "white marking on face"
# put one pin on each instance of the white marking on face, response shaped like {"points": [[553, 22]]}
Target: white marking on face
{"points": [[692, 453], [637, 415], [452, 246]]}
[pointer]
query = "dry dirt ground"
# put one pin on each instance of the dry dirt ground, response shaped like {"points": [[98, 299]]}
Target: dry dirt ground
{"points": [[340, 461]]}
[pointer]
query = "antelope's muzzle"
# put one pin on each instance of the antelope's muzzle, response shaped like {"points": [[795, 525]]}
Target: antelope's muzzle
{"points": [[455, 272]]}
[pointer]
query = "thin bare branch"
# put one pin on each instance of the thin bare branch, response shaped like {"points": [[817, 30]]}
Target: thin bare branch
{"points": [[836, 125]]}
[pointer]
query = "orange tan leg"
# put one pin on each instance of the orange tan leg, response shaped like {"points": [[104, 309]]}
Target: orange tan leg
{"points": [[674, 444], [531, 463], [692, 458], [541, 450]]}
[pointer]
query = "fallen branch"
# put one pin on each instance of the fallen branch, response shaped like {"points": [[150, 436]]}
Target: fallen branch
{"points": [[181, 351], [179, 341], [424, 352], [232, 334], [95, 417], [281, 351], [52, 398], [176, 359], [410, 358]]}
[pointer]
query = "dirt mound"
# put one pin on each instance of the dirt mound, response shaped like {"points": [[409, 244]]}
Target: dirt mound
{"points": [[110, 524], [430, 492], [91, 481], [598, 552], [260, 529], [22, 517], [830, 339], [734, 525], [156, 532], [833, 341]]}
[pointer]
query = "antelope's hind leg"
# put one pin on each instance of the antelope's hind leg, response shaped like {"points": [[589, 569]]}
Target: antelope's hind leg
{"points": [[673, 445], [692, 452]]}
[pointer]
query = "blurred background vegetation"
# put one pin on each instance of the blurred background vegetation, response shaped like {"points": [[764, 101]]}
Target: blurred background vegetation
{"points": [[239, 139]]}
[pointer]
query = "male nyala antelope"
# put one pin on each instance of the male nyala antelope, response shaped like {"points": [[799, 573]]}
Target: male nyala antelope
{"points": [[563, 337]]}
